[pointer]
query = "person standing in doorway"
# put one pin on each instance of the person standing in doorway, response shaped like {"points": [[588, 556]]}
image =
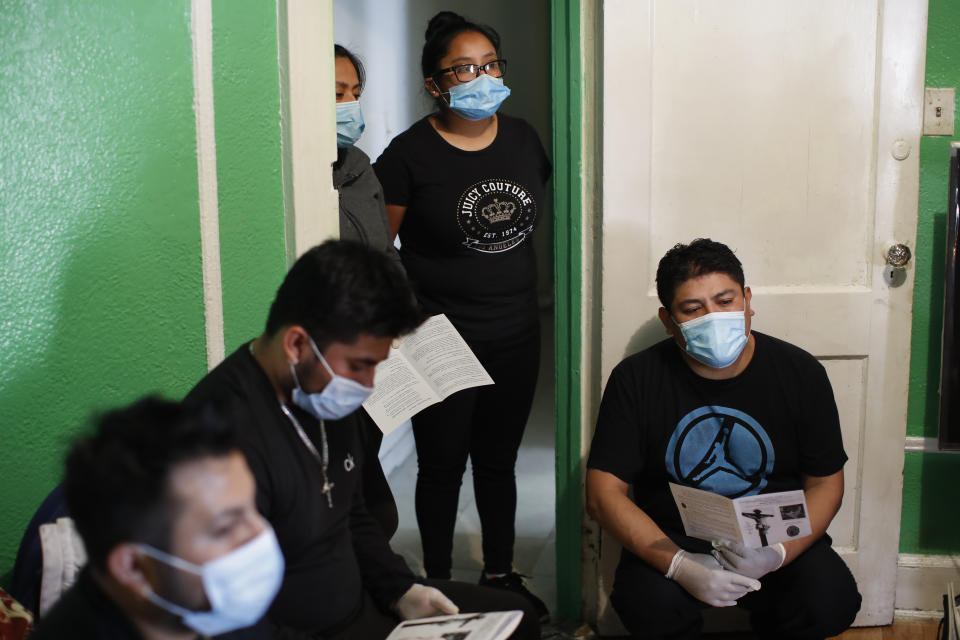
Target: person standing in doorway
{"points": [[464, 189], [363, 219]]}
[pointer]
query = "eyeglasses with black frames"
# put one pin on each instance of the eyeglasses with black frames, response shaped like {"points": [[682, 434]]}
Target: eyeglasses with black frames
{"points": [[467, 72]]}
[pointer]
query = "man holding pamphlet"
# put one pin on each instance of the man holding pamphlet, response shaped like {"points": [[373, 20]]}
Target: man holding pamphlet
{"points": [[299, 386], [731, 436]]}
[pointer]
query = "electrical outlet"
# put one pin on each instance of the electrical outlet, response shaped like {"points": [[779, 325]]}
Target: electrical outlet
{"points": [[938, 111]]}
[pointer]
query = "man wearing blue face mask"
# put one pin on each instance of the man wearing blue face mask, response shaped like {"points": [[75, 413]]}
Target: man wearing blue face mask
{"points": [[164, 503], [300, 386], [732, 411]]}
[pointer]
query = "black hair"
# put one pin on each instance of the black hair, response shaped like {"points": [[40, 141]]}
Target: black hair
{"points": [[341, 289], [116, 483], [699, 258], [342, 52], [441, 30]]}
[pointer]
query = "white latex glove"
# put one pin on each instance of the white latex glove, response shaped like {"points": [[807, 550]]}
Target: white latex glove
{"points": [[755, 563], [421, 601], [703, 578]]}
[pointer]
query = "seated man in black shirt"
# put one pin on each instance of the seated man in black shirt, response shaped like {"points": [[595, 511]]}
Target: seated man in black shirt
{"points": [[164, 502], [300, 385], [733, 412]]}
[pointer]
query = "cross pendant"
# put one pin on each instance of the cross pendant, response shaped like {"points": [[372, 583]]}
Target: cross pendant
{"points": [[327, 489]]}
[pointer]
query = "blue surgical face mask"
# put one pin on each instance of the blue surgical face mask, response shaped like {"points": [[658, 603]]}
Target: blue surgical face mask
{"points": [[716, 339], [341, 397], [240, 585], [478, 99], [349, 123]]}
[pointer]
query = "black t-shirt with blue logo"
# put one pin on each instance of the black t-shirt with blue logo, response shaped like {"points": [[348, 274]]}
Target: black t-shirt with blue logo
{"points": [[660, 422], [466, 236]]}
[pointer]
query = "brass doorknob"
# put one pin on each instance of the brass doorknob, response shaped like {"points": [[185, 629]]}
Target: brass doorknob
{"points": [[898, 256]]}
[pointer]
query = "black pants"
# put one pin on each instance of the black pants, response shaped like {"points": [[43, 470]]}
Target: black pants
{"points": [[487, 424], [814, 596], [373, 624]]}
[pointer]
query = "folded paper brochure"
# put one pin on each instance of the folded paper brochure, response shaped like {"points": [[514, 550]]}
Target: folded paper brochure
{"points": [[422, 369], [489, 625], [754, 521]]}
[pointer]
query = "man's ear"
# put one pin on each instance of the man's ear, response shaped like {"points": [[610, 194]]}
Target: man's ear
{"points": [[667, 321], [295, 342], [747, 297], [126, 565]]}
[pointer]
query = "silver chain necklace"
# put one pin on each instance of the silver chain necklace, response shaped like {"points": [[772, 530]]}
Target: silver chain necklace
{"points": [[324, 460]]}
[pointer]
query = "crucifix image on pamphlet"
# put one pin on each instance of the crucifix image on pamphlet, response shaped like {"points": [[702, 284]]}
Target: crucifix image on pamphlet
{"points": [[753, 521], [422, 369], [488, 625]]}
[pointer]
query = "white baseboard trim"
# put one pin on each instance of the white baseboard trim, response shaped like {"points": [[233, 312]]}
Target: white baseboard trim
{"points": [[922, 581], [909, 615]]}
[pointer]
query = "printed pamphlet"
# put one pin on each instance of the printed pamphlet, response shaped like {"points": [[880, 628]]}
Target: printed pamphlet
{"points": [[754, 521], [490, 625], [422, 369]]}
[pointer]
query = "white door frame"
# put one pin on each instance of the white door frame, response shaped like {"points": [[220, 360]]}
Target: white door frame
{"points": [[308, 123]]}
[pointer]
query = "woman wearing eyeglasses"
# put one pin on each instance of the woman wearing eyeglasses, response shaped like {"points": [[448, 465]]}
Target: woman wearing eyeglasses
{"points": [[465, 190]]}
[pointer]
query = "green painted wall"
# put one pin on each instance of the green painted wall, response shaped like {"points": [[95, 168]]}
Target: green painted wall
{"points": [[100, 259], [100, 285], [566, 46], [246, 89], [930, 518]]}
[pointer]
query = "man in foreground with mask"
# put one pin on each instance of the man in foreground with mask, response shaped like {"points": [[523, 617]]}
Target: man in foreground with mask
{"points": [[734, 412], [299, 385], [164, 502]]}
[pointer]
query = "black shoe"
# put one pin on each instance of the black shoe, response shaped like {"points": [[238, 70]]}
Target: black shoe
{"points": [[513, 581]]}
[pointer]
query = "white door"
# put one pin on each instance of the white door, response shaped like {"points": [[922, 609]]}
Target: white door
{"points": [[790, 131]]}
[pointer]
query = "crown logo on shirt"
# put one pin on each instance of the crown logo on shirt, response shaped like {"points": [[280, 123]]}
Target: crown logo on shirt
{"points": [[498, 211]]}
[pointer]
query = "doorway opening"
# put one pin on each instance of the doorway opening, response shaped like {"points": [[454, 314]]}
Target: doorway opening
{"points": [[388, 37]]}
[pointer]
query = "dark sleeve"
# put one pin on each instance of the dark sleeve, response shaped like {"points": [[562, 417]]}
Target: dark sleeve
{"points": [[394, 174], [385, 575], [261, 474], [231, 405], [617, 446], [820, 439], [389, 248], [278, 632], [264, 630]]}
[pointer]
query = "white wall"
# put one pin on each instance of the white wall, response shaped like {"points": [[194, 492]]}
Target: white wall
{"points": [[388, 36]]}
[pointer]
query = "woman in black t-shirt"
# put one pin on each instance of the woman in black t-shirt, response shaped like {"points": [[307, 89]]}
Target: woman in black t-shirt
{"points": [[464, 188]]}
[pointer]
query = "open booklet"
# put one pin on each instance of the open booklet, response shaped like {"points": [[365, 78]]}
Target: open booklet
{"points": [[422, 369], [753, 521], [490, 625]]}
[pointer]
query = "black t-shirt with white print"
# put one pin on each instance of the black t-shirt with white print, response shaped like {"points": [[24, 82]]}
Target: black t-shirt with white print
{"points": [[466, 235], [660, 422]]}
